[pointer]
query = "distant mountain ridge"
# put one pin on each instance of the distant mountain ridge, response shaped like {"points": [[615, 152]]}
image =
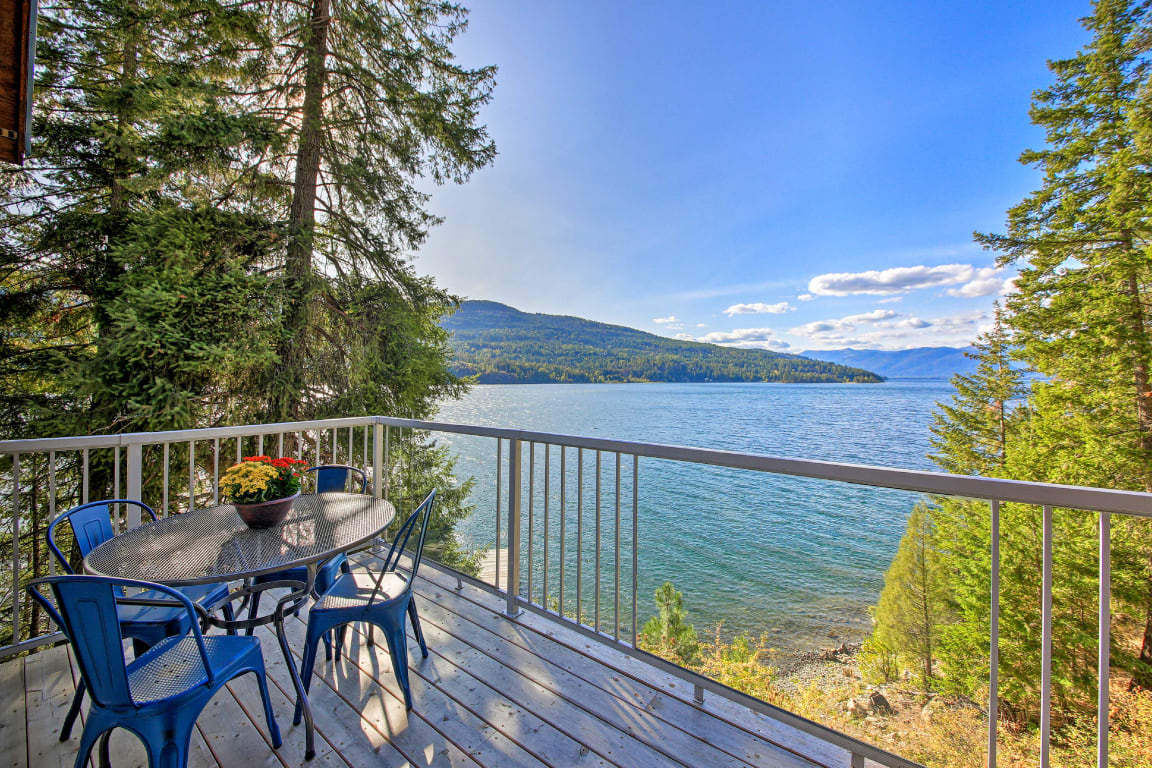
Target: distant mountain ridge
{"points": [[499, 344], [918, 363]]}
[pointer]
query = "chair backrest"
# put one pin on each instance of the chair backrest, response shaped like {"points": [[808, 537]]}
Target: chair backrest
{"points": [[85, 610], [333, 478], [422, 514], [91, 525]]}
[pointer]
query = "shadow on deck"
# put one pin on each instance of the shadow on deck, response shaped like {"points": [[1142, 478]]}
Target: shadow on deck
{"points": [[493, 692]]}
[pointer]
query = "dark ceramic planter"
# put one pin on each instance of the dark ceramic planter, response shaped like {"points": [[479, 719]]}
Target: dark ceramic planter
{"points": [[267, 513]]}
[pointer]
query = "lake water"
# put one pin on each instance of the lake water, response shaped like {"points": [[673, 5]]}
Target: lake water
{"points": [[798, 559]]}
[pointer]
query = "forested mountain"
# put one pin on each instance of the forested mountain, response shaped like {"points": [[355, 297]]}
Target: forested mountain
{"points": [[502, 345], [918, 363]]}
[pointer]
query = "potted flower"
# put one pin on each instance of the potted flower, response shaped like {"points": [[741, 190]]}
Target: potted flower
{"points": [[262, 488]]}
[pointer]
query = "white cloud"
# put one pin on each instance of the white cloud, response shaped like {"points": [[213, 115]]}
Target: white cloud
{"points": [[912, 322], [666, 320], [822, 326], [890, 300], [740, 334], [805, 297], [901, 332], [844, 324], [701, 325], [758, 308], [869, 317], [749, 338], [684, 337], [972, 281], [987, 281]]}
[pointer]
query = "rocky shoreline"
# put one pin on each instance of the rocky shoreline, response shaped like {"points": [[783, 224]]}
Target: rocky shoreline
{"points": [[835, 664], [891, 709]]}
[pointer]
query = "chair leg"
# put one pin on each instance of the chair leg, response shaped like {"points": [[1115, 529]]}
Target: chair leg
{"points": [[230, 615], [398, 650], [328, 646], [168, 747], [308, 664], [105, 752], [87, 741], [273, 728], [252, 608], [416, 627], [73, 712]]}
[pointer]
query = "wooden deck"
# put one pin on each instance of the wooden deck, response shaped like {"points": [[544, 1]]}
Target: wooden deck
{"points": [[493, 692]]}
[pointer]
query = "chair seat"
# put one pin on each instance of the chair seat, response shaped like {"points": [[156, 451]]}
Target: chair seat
{"points": [[175, 615], [173, 666], [354, 590], [325, 575]]}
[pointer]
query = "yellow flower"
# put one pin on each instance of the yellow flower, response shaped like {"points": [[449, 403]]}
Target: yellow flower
{"points": [[248, 481]]}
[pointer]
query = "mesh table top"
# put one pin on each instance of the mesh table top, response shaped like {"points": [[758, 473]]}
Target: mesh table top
{"points": [[214, 545]]}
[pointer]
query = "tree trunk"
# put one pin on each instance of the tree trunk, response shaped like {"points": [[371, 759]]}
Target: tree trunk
{"points": [[1143, 676], [927, 610], [105, 412], [287, 396]]}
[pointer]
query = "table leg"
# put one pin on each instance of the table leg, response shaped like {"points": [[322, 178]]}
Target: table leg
{"points": [[301, 694]]}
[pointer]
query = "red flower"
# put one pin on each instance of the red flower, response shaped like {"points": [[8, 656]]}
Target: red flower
{"points": [[257, 458]]}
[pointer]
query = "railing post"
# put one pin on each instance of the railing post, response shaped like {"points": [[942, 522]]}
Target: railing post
{"points": [[1046, 643], [135, 483], [378, 460], [513, 586], [16, 548], [1104, 641], [994, 639]]}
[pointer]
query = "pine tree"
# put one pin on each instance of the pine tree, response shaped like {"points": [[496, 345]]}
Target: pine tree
{"points": [[913, 605], [668, 633], [373, 102], [369, 101], [971, 434], [129, 278], [1081, 244], [152, 257]]}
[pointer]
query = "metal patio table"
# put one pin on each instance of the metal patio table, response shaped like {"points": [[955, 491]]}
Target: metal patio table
{"points": [[213, 545]]}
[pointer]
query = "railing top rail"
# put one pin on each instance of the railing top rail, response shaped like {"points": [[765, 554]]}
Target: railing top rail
{"points": [[176, 436], [939, 483], [921, 481]]}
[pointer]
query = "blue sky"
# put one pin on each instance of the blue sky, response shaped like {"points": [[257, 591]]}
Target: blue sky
{"points": [[792, 175]]}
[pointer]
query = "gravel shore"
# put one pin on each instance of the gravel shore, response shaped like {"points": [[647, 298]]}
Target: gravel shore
{"points": [[826, 665]]}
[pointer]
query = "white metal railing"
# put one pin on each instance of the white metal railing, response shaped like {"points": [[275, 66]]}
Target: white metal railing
{"points": [[369, 442]]}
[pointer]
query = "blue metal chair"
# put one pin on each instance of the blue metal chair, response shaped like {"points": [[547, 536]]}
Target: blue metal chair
{"points": [[334, 478], [158, 695], [146, 625], [382, 601], [330, 478]]}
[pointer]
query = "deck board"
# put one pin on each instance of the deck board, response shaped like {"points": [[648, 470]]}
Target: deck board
{"points": [[336, 721], [410, 733], [666, 719], [493, 693], [13, 718], [48, 690], [518, 724], [618, 730], [725, 722], [477, 737]]}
